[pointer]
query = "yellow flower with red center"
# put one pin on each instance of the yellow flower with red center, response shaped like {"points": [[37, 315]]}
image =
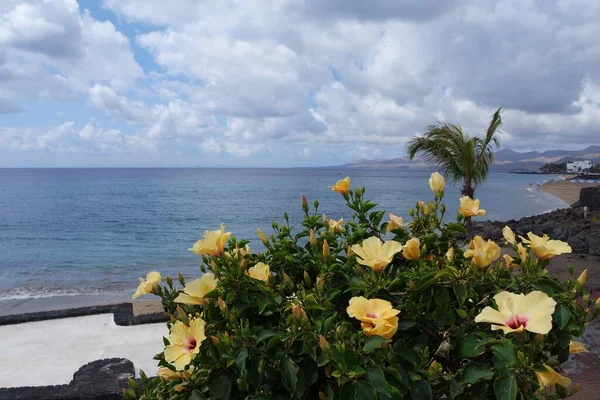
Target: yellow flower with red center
{"points": [[377, 316], [519, 312], [483, 253], [470, 208], [550, 378], [148, 285], [395, 222], [184, 343], [437, 183], [195, 290], [213, 243], [342, 186], [335, 226], [260, 271], [376, 254], [412, 249], [509, 235], [544, 248]]}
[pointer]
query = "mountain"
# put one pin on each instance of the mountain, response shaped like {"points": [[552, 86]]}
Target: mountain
{"points": [[505, 160]]}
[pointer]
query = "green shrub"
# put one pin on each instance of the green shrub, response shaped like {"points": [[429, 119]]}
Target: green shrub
{"points": [[332, 312]]}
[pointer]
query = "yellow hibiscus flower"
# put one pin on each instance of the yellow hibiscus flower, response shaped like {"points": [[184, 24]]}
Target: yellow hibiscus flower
{"points": [[376, 254], [167, 374], [470, 208], [195, 290], [577, 347], [450, 254], [395, 222], [550, 378], [437, 183], [260, 271], [522, 252], [412, 249], [377, 316], [483, 253], [544, 248], [509, 262], [342, 186], [147, 286], [509, 235], [519, 312], [213, 242], [185, 343]]}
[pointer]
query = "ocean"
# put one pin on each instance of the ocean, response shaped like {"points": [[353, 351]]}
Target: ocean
{"points": [[95, 231]]}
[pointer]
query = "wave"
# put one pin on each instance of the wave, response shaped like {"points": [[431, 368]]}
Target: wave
{"points": [[33, 293]]}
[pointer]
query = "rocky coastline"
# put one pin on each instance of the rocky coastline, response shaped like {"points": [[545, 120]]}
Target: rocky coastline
{"points": [[578, 225]]}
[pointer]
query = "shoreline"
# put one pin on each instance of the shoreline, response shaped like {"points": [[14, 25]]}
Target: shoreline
{"points": [[565, 189]]}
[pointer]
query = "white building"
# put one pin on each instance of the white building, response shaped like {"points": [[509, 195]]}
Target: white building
{"points": [[579, 166]]}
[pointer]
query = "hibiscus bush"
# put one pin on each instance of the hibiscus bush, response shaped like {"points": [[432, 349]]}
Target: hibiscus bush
{"points": [[370, 308]]}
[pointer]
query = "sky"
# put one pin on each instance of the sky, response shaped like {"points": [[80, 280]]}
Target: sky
{"points": [[285, 83]]}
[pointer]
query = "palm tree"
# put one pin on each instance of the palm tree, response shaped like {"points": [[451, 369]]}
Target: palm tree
{"points": [[459, 156]]}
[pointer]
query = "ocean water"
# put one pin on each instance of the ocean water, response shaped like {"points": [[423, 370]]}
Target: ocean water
{"points": [[90, 231]]}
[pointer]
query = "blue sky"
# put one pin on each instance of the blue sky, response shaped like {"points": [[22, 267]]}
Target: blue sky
{"points": [[287, 83]]}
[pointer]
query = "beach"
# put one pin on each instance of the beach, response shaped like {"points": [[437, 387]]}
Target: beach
{"points": [[565, 189]]}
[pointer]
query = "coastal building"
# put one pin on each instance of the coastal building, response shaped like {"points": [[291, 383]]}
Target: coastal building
{"points": [[579, 166]]}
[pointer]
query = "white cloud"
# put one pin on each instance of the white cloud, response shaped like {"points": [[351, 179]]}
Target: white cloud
{"points": [[301, 81]]}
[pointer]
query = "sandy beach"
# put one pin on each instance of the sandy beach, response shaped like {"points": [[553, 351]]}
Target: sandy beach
{"points": [[565, 189]]}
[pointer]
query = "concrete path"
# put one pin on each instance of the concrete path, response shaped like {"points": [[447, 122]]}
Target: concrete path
{"points": [[49, 352]]}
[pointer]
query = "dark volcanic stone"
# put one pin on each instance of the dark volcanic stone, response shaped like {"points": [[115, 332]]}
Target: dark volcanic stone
{"points": [[590, 198], [98, 380]]}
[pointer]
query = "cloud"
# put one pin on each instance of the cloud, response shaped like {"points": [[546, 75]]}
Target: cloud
{"points": [[299, 82]]}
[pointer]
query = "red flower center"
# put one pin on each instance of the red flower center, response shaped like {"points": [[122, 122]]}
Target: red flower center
{"points": [[191, 344], [372, 315], [516, 322]]}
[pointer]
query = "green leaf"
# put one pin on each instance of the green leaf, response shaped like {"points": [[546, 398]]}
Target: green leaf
{"points": [[562, 316], [505, 388], [289, 372], [474, 373], [374, 342], [376, 378], [405, 324], [196, 396], [461, 294], [471, 346], [264, 335], [505, 353], [461, 313], [240, 359], [420, 390], [263, 302], [396, 284], [365, 391], [220, 387], [453, 226]]}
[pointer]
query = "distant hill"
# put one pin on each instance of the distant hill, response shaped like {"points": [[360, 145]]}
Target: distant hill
{"points": [[505, 160]]}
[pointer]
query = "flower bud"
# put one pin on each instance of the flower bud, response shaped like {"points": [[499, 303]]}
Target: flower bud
{"points": [[326, 251], [222, 305], [450, 254], [323, 343], [304, 204], [181, 278], [316, 204], [320, 283], [214, 339], [262, 236], [437, 183], [312, 238], [324, 218], [571, 269], [576, 388], [307, 279], [597, 304], [350, 252], [299, 313], [288, 280], [169, 281], [582, 278]]}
